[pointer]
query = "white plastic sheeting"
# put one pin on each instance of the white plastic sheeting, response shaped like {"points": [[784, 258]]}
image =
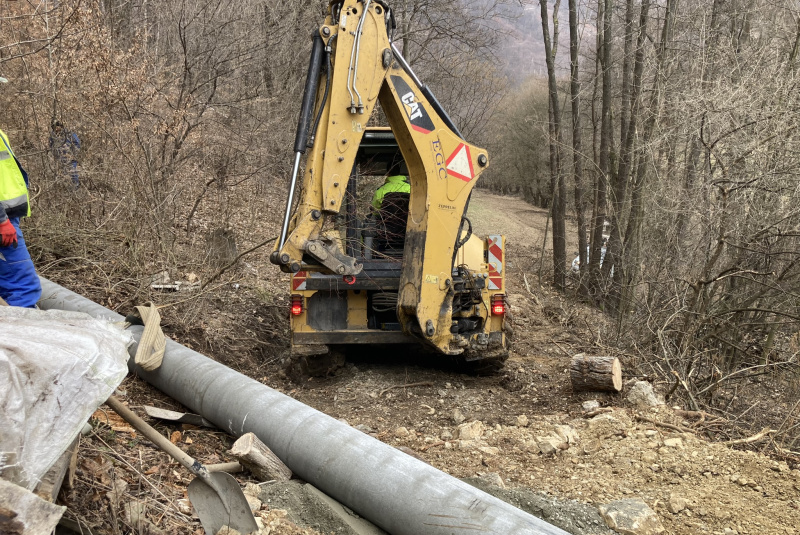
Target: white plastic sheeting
{"points": [[56, 368]]}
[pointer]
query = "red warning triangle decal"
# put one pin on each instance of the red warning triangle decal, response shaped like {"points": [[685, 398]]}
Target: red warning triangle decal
{"points": [[459, 164]]}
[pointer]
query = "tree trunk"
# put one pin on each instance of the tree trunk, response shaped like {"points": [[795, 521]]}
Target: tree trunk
{"points": [[557, 184], [595, 283], [577, 150], [632, 232], [615, 250], [625, 101]]}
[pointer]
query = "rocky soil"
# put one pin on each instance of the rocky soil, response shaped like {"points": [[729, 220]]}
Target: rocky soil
{"points": [[521, 434]]}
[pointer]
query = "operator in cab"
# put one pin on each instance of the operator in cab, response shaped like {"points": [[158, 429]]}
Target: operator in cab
{"points": [[390, 209], [394, 183]]}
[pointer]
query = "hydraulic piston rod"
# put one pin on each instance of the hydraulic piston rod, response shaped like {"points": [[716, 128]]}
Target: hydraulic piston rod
{"points": [[303, 122], [397, 492]]}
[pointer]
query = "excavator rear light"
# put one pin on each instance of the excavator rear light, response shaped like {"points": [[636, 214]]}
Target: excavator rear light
{"points": [[498, 305], [297, 305]]}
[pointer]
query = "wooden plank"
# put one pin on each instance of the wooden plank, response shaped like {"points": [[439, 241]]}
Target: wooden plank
{"points": [[24, 513], [51, 482]]}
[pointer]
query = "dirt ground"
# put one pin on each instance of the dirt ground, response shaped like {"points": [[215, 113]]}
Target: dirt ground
{"points": [[656, 454]]}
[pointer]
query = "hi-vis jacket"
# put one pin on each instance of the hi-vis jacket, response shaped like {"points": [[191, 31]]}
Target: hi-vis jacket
{"points": [[393, 184], [13, 183]]}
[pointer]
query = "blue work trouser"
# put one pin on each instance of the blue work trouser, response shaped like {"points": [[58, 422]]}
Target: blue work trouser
{"points": [[19, 284], [73, 173], [70, 168]]}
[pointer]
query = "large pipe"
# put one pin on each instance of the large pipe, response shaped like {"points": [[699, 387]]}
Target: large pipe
{"points": [[397, 492]]}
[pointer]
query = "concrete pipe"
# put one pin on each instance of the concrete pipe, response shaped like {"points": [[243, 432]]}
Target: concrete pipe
{"points": [[393, 490]]}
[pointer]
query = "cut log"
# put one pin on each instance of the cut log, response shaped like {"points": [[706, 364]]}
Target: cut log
{"points": [[595, 373], [259, 459]]}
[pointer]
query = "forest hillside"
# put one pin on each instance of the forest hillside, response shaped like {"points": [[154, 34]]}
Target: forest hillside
{"points": [[655, 140]]}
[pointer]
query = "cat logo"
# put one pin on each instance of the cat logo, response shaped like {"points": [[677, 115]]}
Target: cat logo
{"points": [[415, 110], [408, 100]]}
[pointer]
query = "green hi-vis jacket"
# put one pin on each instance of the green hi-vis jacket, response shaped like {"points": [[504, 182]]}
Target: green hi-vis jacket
{"points": [[393, 184], [13, 183]]}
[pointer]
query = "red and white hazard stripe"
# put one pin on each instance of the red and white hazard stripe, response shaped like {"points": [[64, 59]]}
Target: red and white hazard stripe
{"points": [[299, 280], [495, 262]]}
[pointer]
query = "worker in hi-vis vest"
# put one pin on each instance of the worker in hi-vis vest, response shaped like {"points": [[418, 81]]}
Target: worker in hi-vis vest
{"points": [[19, 284], [392, 184]]}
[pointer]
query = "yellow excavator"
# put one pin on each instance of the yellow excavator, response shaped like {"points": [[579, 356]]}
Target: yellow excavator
{"points": [[359, 277]]}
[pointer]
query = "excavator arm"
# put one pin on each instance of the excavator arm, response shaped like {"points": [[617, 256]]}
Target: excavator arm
{"points": [[354, 65]]}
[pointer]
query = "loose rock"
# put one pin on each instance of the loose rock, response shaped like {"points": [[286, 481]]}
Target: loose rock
{"points": [[253, 502], [591, 405], [252, 489], [631, 517], [550, 445], [676, 504], [184, 506], [458, 417], [567, 434], [608, 424], [364, 428], [470, 431], [642, 395]]}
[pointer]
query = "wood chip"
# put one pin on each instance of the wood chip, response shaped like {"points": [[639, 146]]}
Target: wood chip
{"points": [[114, 421]]}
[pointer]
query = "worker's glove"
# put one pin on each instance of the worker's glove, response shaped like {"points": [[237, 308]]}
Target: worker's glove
{"points": [[8, 234]]}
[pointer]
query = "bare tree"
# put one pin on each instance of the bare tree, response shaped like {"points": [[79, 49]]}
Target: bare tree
{"points": [[604, 164], [615, 248], [558, 188], [577, 135]]}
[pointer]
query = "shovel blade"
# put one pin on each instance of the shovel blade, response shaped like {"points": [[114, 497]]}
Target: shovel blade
{"points": [[174, 416], [228, 507]]}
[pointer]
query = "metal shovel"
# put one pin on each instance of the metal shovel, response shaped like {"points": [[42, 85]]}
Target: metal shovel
{"points": [[217, 497]]}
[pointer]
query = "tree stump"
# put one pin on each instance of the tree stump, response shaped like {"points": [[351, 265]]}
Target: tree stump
{"points": [[595, 373], [221, 245], [259, 459]]}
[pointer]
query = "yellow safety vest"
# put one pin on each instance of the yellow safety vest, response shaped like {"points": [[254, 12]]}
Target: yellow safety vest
{"points": [[393, 184], [13, 190]]}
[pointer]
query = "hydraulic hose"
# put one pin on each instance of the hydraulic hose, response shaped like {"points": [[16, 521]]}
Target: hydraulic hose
{"points": [[359, 31], [460, 243], [327, 90]]}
